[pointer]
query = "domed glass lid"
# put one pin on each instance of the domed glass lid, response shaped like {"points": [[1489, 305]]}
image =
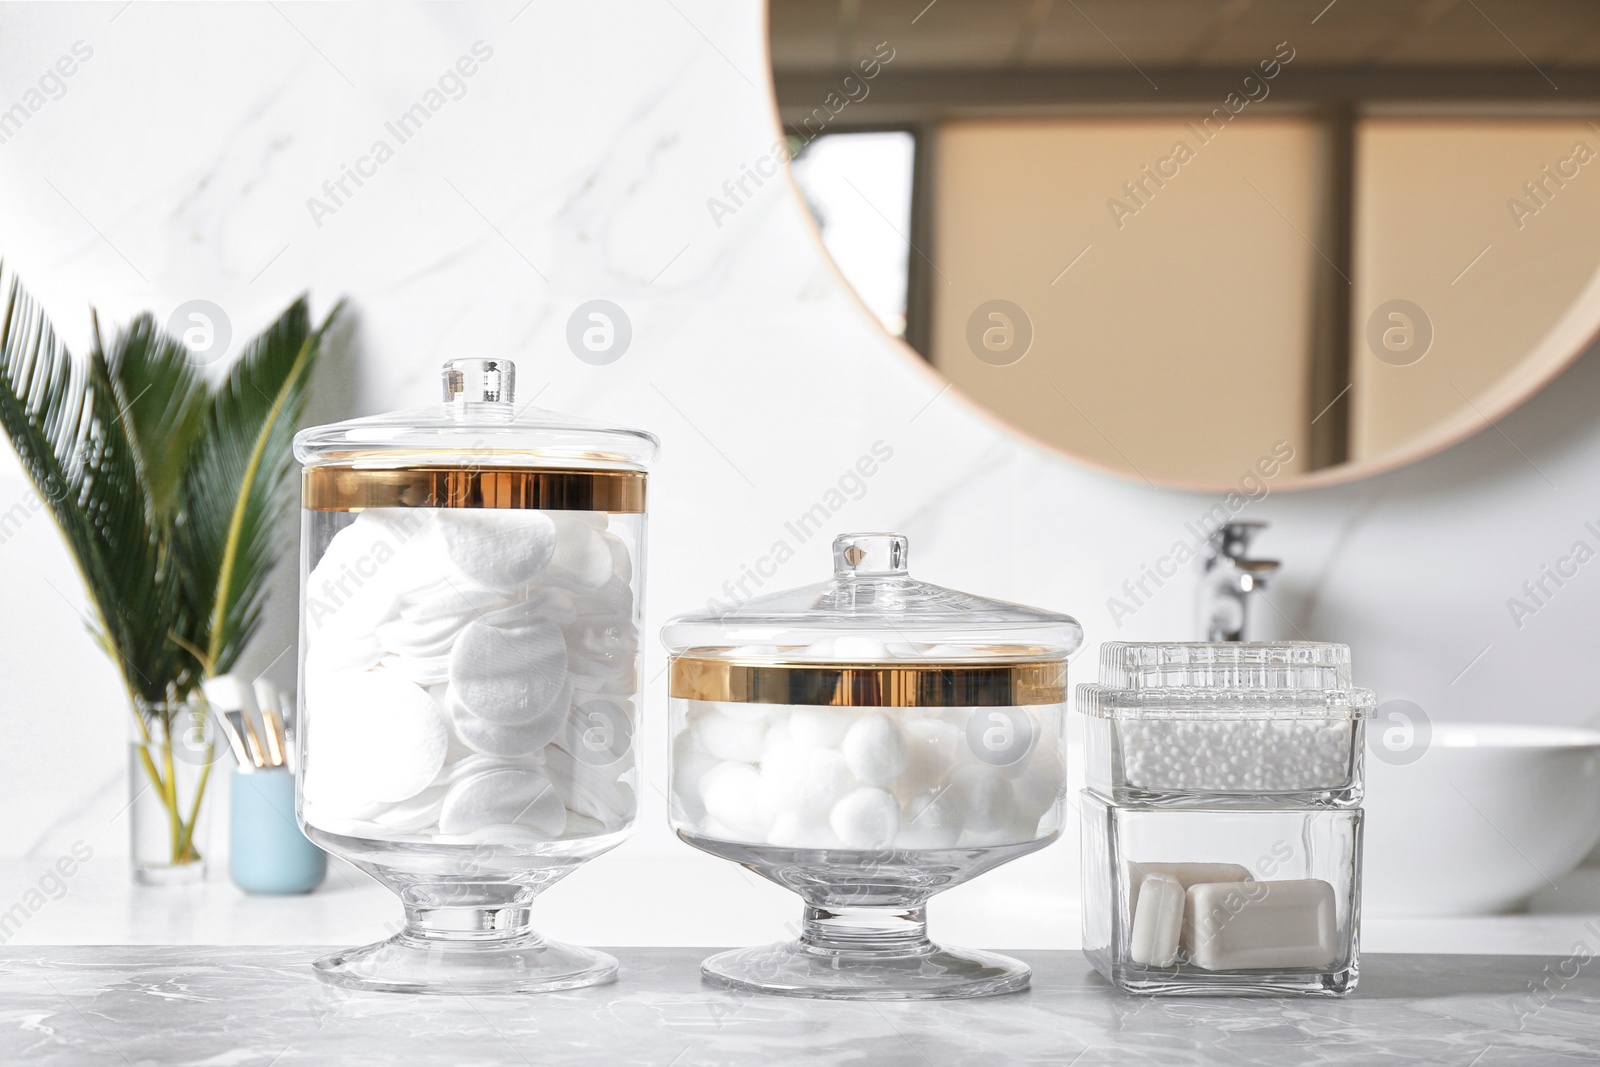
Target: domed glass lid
{"points": [[873, 612], [479, 424]]}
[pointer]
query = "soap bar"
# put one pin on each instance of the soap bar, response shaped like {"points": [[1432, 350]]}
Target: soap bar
{"points": [[1188, 874], [1237, 925], [1157, 922]]}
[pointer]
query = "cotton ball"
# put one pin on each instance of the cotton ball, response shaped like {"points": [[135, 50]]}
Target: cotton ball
{"points": [[866, 818], [933, 748], [1037, 791], [689, 766], [859, 649], [874, 750], [780, 752], [792, 831], [746, 712], [736, 800], [819, 727], [933, 820], [984, 796], [807, 785], [731, 739], [498, 548], [753, 652]]}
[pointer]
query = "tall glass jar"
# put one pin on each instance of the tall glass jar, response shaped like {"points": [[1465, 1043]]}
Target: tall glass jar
{"points": [[471, 584], [867, 743]]}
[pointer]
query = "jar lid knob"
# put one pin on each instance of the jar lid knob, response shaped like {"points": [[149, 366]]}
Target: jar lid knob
{"points": [[864, 554], [479, 381]]}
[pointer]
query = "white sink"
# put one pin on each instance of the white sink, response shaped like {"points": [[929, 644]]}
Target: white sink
{"points": [[1490, 814]]}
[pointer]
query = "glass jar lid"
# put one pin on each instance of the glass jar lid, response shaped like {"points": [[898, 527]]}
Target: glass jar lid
{"points": [[873, 636], [479, 448], [1211, 680]]}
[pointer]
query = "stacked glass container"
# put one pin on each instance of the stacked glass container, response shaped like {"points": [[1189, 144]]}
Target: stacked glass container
{"points": [[1222, 818], [471, 581], [868, 742]]}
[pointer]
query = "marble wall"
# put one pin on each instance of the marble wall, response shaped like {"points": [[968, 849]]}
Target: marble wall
{"points": [[189, 156]]}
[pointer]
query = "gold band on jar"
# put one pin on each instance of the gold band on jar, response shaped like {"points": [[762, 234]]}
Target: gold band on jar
{"points": [[339, 488], [871, 685]]}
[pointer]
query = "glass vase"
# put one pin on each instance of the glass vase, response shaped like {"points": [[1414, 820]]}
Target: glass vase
{"points": [[170, 760]]}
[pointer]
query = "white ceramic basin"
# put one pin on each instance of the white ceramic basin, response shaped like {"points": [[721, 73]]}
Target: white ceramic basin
{"points": [[1488, 816]]}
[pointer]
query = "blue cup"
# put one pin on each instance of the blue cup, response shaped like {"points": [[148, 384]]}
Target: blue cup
{"points": [[269, 853]]}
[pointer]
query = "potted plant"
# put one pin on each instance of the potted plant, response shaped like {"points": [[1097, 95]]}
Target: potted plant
{"points": [[169, 490]]}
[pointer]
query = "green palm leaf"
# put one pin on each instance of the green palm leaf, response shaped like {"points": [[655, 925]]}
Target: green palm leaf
{"points": [[72, 438], [233, 492], [165, 399]]}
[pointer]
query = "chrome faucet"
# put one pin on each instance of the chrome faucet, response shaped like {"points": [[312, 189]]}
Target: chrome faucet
{"points": [[1229, 579]]}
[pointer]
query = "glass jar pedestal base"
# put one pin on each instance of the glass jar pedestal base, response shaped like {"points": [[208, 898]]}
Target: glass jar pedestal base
{"points": [[866, 954], [465, 952]]}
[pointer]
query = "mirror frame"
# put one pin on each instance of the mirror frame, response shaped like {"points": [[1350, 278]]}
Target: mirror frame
{"points": [[1566, 340]]}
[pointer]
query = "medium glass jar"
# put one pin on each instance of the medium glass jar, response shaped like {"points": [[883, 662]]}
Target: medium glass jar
{"points": [[867, 743], [1222, 819], [471, 582]]}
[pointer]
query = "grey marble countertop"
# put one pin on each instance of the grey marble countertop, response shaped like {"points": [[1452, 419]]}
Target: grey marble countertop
{"points": [[235, 1007]]}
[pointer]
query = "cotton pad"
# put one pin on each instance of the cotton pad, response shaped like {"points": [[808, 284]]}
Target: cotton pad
{"points": [[498, 739], [501, 549], [512, 676], [371, 737], [589, 790], [523, 796], [425, 671], [415, 813], [582, 558]]}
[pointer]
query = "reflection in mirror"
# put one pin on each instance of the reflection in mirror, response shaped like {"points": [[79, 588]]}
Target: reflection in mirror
{"points": [[1186, 241]]}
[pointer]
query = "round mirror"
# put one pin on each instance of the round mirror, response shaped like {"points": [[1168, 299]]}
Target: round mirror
{"points": [[1195, 242]]}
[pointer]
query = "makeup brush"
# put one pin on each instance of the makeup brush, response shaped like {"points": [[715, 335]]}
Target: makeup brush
{"points": [[231, 730], [235, 701], [269, 702]]}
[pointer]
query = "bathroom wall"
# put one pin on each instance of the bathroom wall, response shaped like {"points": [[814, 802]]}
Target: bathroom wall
{"points": [[187, 159]]}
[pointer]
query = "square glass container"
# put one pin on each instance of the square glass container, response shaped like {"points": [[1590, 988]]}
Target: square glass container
{"points": [[1225, 725], [1225, 902], [1222, 819]]}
